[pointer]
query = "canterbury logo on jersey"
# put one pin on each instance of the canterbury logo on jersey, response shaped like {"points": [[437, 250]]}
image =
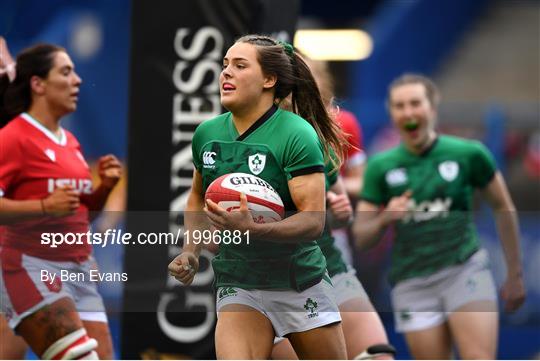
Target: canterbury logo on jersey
{"points": [[396, 177], [80, 185], [426, 210], [208, 159]]}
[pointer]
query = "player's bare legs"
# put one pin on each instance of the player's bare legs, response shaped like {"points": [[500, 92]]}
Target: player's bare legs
{"points": [[323, 343], [12, 347], [243, 333], [474, 328], [362, 327], [101, 333], [430, 344], [47, 325]]}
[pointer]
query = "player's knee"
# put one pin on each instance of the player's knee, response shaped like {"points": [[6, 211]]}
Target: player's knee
{"points": [[74, 346], [377, 352]]}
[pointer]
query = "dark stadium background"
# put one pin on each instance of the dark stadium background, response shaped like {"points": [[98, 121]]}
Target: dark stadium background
{"points": [[484, 54]]}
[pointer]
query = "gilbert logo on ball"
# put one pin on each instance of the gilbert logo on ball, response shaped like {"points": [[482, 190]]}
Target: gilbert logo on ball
{"points": [[264, 202]]}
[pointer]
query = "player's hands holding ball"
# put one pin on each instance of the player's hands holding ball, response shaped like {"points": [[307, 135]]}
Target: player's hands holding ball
{"points": [[239, 219], [184, 267], [241, 202]]}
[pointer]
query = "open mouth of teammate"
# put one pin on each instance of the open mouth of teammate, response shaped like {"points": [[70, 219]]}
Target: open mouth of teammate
{"points": [[411, 126]]}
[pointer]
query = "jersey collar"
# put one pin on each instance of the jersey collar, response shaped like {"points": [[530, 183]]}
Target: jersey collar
{"points": [[273, 109], [425, 152], [44, 130], [431, 147]]}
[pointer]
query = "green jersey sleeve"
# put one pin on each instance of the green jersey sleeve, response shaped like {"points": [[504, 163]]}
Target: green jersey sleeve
{"points": [[372, 190], [195, 155], [197, 143], [304, 152], [483, 166]]}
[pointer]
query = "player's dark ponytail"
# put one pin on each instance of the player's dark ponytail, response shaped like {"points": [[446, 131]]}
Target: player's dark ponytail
{"points": [[294, 77], [16, 95]]}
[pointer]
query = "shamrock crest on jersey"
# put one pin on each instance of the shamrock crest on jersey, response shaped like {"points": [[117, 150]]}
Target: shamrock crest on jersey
{"points": [[449, 170], [256, 163]]}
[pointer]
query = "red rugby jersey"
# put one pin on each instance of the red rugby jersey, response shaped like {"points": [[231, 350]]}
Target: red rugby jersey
{"points": [[33, 162]]}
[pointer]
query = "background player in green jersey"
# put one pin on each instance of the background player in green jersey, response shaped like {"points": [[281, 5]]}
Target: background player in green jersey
{"points": [[276, 284], [443, 292], [363, 330]]}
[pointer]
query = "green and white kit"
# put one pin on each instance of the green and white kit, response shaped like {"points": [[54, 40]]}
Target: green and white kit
{"points": [[277, 147], [438, 233]]}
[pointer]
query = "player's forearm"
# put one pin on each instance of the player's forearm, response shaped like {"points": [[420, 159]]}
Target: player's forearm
{"points": [[508, 229], [96, 201], [194, 219], [506, 219], [189, 243], [13, 211], [336, 223], [302, 226], [368, 228]]}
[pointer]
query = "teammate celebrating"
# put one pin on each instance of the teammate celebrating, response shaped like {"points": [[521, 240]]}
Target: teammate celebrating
{"points": [[277, 284], [443, 292], [45, 186]]}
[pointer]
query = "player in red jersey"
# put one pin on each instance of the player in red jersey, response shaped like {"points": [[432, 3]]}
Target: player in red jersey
{"points": [[45, 187]]}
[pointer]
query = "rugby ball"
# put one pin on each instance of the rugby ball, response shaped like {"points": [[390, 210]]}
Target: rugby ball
{"points": [[264, 202]]}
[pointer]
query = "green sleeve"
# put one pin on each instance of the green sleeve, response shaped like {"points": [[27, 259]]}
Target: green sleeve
{"points": [[196, 145], [304, 153], [373, 191], [483, 166]]}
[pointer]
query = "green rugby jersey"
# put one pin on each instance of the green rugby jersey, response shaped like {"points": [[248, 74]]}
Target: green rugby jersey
{"points": [[334, 260], [277, 147], [439, 230]]}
